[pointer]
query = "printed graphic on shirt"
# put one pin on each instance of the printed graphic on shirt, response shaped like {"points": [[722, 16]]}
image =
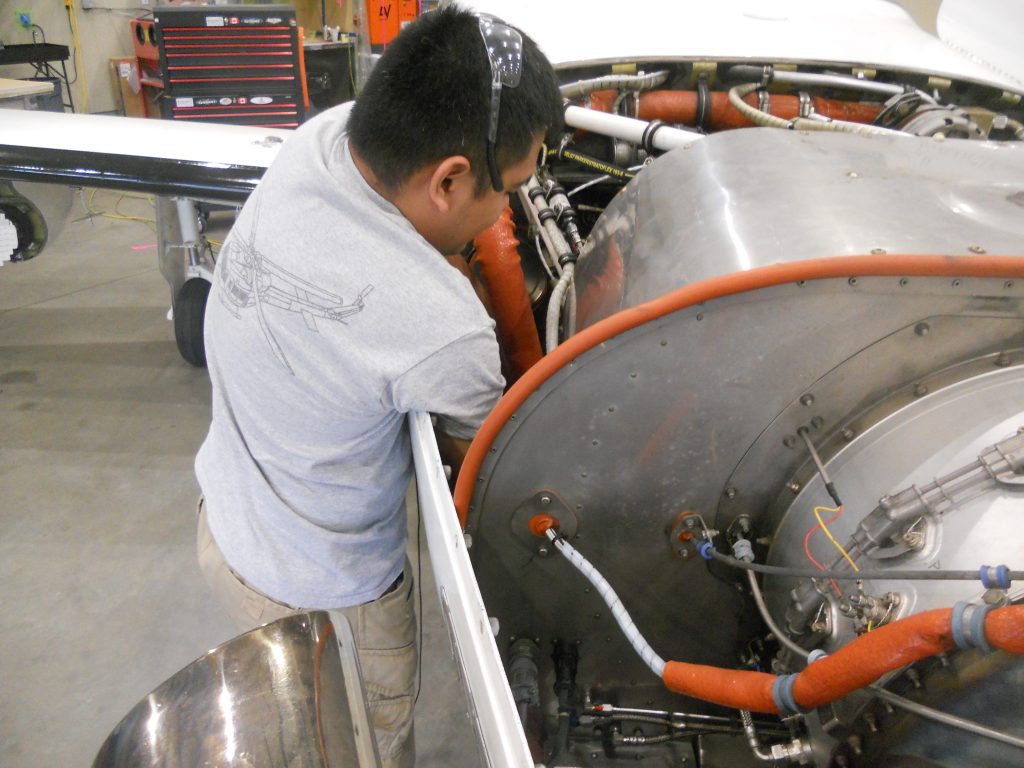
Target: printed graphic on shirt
{"points": [[248, 279]]}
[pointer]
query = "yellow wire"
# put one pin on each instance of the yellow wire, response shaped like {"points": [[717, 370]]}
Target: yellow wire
{"points": [[81, 67], [117, 216], [821, 522]]}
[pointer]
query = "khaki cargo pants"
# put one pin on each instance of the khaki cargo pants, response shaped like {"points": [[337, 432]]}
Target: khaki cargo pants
{"points": [[384, 631]]}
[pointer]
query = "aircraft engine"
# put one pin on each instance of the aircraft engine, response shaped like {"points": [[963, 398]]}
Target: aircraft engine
{"points": [[760, 501]]}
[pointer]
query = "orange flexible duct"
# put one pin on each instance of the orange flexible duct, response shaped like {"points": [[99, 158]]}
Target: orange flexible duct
{"points": [[681, 107], [896, 265], [854, 666], [497, 263]]}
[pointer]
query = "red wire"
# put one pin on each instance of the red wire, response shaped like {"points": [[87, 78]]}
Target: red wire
{"points": [[807, 549]]}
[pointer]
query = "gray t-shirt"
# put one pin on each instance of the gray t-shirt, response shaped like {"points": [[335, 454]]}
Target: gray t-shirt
{"points": [[329, 319]]}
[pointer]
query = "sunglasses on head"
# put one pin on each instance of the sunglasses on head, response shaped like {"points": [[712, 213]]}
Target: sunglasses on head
{"points": [[504, 46]]}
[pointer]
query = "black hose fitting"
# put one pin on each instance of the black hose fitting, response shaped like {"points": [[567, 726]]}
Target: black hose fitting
{"points": [[703, 102], [565, 216], [647, 137], [751, 73]]}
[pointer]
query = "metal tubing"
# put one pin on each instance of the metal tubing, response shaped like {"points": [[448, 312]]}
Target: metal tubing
{"points": [[946, 719], [628, 129], [555, 308], [755, 591], [837, 81]]}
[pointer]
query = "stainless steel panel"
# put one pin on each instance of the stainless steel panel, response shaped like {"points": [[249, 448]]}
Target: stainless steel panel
{"points": [[928, 438], [747, 198], [655, 422], [275, 696]]}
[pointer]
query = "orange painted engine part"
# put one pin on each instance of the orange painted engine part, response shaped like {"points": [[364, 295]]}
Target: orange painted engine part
{"points": [[681, 107], [852, 667], [496, 261], [540, 523]]}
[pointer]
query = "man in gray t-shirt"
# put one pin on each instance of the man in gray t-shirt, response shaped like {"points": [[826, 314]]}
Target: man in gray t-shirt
{"points": [[336, 309]]}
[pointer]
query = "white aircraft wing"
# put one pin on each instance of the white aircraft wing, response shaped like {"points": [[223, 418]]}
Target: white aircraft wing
{"points": [[210, 162]]}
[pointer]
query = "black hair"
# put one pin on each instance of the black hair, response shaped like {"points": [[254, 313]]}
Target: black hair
{"points": [[428, 98]]}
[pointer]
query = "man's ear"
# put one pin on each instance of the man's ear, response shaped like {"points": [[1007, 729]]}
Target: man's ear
{"points": [[451, 180]]}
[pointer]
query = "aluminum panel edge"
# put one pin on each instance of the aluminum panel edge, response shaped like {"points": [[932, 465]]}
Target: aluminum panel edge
{"points": [[497, 720]]}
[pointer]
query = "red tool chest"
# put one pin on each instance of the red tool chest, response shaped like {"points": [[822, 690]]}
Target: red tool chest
{"points": [[236, 64]]}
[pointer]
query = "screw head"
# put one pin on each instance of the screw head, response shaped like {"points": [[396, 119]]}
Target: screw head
{"points": [[922, 329], [920, 390], [731, 493], [794, 486], [817, 422], [789, 441], [807, 399], [848, 434], [543, 550], [976, 249], [545, 500]]}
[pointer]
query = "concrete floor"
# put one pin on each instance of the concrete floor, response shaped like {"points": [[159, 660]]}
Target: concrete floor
{"points": [[101, 419]]}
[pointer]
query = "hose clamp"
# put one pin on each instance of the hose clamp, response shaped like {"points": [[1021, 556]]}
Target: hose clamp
{"points": [[995, 576], [782, 694], [968, 626], [806, 105]]}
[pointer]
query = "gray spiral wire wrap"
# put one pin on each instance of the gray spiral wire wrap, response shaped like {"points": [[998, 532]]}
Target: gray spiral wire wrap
{"points": [[631, 82], [763, 119], [640, 645]]}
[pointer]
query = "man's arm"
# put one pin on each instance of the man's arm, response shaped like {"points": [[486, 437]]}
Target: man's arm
{"points": [[459, 262]]}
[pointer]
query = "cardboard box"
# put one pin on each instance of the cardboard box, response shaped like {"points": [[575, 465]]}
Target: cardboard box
{"points": [[126, 78]]}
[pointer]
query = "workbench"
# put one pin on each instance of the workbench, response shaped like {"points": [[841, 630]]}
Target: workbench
{"points": [[41, 56]]}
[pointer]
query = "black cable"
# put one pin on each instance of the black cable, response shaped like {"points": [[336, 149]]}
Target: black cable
{"points": [[419, 607], [808, 573]]}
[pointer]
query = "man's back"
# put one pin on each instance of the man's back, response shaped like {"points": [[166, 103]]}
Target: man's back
{"points": [[330, 318]]}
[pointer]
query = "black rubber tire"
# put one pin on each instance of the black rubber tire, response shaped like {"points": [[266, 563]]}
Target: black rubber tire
{"points": [[189, 310]]}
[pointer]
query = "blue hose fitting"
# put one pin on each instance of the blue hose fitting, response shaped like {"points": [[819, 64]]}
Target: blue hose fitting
{"points": [[705, 550]]}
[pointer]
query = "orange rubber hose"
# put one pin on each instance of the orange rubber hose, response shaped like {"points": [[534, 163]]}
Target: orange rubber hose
{"points": [[854, 666], [704, 291], [681, 107], [498, 265]]}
